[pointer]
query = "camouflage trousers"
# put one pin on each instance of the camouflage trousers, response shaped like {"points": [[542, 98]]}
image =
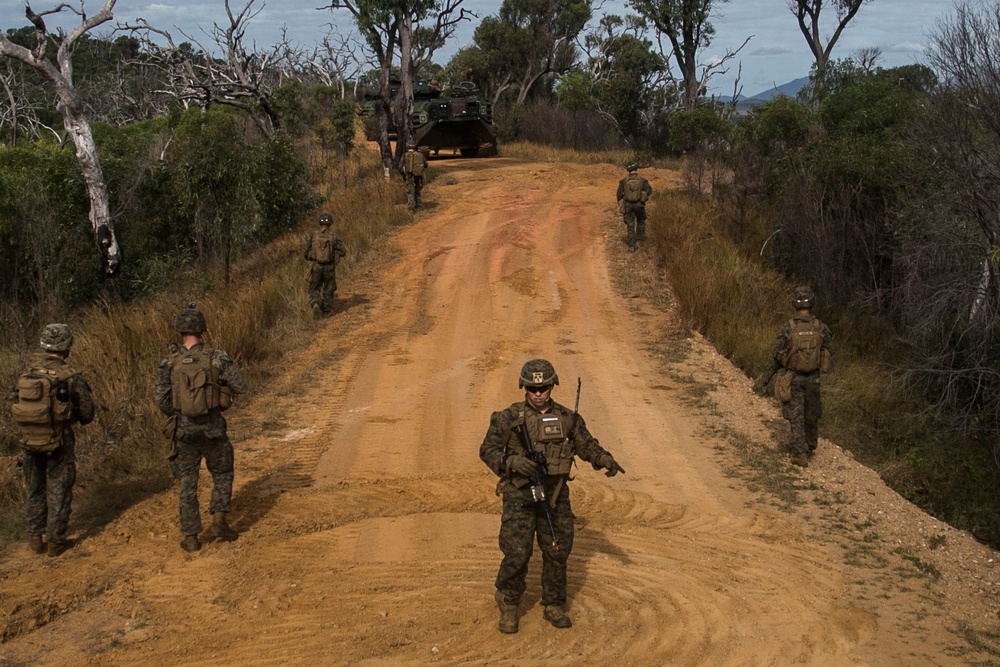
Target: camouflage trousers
{"points": [[48, 483], [523, 521], [414, 184], [218, 455], [803, 412], [635, 222], [322, 285]]}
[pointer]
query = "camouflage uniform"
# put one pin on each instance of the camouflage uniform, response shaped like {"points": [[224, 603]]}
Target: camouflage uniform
{"points": [[634, 213], [805, 408], [49, 476], [414, 161], [196, 438], [323, 275], [523, 519]]}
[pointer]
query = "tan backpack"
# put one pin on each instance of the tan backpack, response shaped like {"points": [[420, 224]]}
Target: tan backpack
{"points": [[415, 163], [43, 409], [633, 189], [322, 247], [804, 352], [194, 384]]}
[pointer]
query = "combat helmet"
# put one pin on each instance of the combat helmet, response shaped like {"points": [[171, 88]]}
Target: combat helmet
{"points": [[803, 297], [537, 373], [190, 320], [56, 338], [325, 219], [632, 166]]}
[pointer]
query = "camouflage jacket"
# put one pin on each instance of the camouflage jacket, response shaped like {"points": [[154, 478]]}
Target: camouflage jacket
{"points": [[212, 425], [781, 342], [500, 441]]}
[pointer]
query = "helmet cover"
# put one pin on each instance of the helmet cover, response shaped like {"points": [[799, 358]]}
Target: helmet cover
{"points": [[56, 338], [803, 297], [537, 373], [190, 320]]}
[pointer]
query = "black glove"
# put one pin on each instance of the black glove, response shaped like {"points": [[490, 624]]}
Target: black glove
{"points": [[608, 462], [521, 464]]}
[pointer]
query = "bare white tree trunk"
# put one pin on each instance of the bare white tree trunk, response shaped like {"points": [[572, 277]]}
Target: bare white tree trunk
{"points": [[75, 122]]}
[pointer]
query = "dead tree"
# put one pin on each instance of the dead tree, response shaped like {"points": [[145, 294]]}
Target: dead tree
{"points": [[59, 74]]}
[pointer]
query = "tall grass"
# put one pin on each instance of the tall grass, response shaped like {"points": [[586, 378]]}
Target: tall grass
{"points": [[725, 292], [259, 318]]}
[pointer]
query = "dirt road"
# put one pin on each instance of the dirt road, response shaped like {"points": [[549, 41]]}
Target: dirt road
{"points": [[368, 524]]}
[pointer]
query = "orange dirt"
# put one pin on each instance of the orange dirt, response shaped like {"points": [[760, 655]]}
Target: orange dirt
{"points": [[368, 524]]}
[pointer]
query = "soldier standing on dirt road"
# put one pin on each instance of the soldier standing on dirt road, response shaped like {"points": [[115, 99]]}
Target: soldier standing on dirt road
{"points": [[49, 398], [323, 249], [633, 193], [194, 384], [804, 349], [414, 166], [559, 434]]}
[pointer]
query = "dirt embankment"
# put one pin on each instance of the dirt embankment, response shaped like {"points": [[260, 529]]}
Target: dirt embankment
{"points": [[368, 525]]}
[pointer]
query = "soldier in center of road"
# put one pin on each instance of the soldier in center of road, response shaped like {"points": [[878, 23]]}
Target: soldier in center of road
{"points": [[531, 446]]}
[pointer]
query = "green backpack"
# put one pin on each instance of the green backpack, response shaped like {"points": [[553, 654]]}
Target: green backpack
{"points": [[42, 410]]}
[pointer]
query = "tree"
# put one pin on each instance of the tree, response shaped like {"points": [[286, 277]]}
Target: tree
{"points": [[686, 25], [626, 78], [526, 41], [59, 75], [241, 78], [394, 28], [807, 13]]}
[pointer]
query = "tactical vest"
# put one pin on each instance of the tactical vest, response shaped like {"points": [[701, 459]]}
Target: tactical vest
{"points": [[549, 434], [322, 247], [803, 353], [43, 409], [633, 189], [194, 384]]}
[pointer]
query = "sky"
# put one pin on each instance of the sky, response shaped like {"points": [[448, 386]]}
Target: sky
{"points": [[776, 53]]}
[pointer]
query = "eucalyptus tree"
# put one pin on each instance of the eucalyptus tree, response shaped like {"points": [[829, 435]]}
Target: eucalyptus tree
{"points": [[808, 14], [525, 42], [686, 25], [57, 70], [410, 30]]}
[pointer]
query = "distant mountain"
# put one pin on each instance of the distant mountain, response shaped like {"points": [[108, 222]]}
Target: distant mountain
{"points": [[791, 89]]}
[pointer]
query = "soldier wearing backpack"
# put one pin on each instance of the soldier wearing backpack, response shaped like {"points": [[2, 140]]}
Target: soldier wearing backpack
{"points": [[195, 384], [323, 249], [804, 351], [49, 398], [414, 166], [633, 193]]}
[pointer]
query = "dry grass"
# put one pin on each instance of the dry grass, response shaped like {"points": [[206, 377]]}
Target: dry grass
{"points": [[260, 317]]}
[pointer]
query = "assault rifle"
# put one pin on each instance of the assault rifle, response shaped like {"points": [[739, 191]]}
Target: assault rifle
{"points": [[538, 478]]}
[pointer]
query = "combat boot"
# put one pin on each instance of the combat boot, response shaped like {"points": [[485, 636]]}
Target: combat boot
{"points": [[221, 529], [58, 548], [190, 543], [35, 544], [554, 614], [801, 459], [508, 614]]}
